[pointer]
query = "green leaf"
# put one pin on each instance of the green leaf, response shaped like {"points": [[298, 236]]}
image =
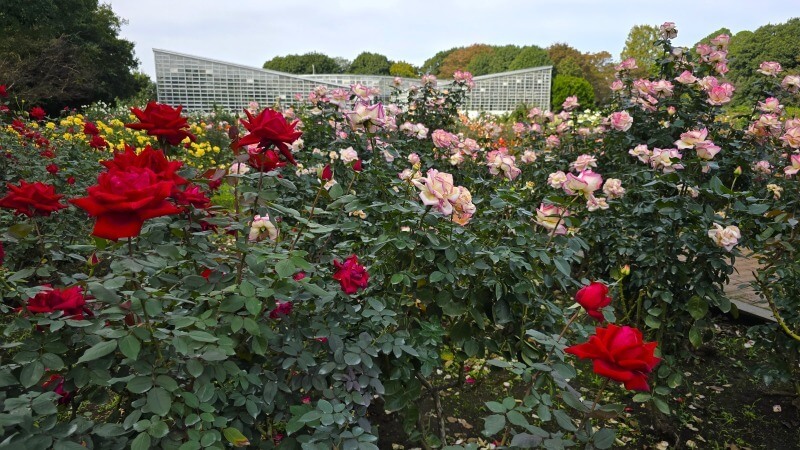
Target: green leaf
{"points": [[695, 336], [698, 308], [130, 346], [202, 336], [661, 405], [103, 294], [98, 351], [235, 437], [396, 278], [496, 407], [517, 419], [564, 421], [603, 439], [141, 442], [436, 276], [159, 401], [194, 367], [493, 424], [285, 268], [139, 385], [31, 374], [247, 289]]}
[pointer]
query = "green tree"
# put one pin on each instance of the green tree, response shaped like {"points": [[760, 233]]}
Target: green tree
{"points": [[370, 64], [639, 45], [565, 86], [708, 38], [60, 53], [779, 42], [460, 58], [403, 69], [307, 63], [502, 58], [597, 68], [432, 64], [530, 56]]}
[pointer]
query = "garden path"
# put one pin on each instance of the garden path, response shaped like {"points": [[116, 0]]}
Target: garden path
{"points": [[742, 293]]}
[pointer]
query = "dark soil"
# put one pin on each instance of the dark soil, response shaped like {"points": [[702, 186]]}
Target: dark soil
{"points": [[722, 405]]}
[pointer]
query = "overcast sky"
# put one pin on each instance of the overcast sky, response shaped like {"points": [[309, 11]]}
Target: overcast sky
{"points": [[253, 31]]}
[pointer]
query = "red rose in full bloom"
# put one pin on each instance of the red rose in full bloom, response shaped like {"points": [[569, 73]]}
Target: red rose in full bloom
{"points": [[281, 309], [69, 300], [351, 275], [71, 180], [37, 113], [148, 158], [123, 200], [162, 121], [90, 129], [52, 169], [265, 160], [3, 91], [192, 195], [58, 381], [98, 142], [269, 128], [32, 199], [592, 298], [619, 353]]}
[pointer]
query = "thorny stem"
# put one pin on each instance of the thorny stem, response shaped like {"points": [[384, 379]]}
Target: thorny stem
{"points": [[550, 354], [310, 216], [438, 404], [588, 414]]}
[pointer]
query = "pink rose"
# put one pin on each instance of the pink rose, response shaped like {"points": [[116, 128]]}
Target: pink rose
{"points": [[437, 190], [551, 218], [621, 120], [770, 68]]}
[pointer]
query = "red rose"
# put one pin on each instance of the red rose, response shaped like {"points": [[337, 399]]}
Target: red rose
{"points": [[4, 109], [327, 173], [58, 381], [265, 161], [357, 166], [52, 169], [269, 128], [296, 277], [98, 142], [123, 200], [148, 158], [162, 121], [90, 129], [69, 300], [620, 354], [3, 91], [71, 180], [192, 195], [351, 275], [281, 309], [32, 199], [37, 113], [592, 298]]}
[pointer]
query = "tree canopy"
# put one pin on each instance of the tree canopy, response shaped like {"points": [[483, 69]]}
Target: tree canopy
{"points": [[565, 86], [596, 68], [58, 53], [307, 63], [370, 64], [403, 69], [639, 45]]}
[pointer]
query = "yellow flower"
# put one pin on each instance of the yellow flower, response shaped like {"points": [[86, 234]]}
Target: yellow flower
{"points": [[50, 125], [67, 136]]}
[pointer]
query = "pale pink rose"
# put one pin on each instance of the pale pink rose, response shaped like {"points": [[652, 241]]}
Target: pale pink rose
{"points": [[409, 175], [551, 218], [726, 237], [703, 50], [557, 179], [766, 125], [397, 82], [584, 183], [570, 103], [628, 64], [662, 88], [763, 167], [413, 158], [500, 161], [617, 85], [463, 208], [641, 152], [348, 155], [518, 128], [613, 188], [708, 82], [771, 105], [583, 162], [706, 150], [594, 203], [528, 156], [361, 91], [552, 141], [536, 128], [262, 228], [692, 191], [792, 123], [720, 95], [443, 139], [456, 159], [718, 57], [663, 159], [469, 146], [690, 138], [721, 68], [791, 138], [621, 120], [791, 83], [667, 30], [671, 110], [721, 41], [464, 77], [770, 68], [429, 80], [368, 117], [795, 167], [534, 113], [437, 190], [643, 86], [238, 168]]}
